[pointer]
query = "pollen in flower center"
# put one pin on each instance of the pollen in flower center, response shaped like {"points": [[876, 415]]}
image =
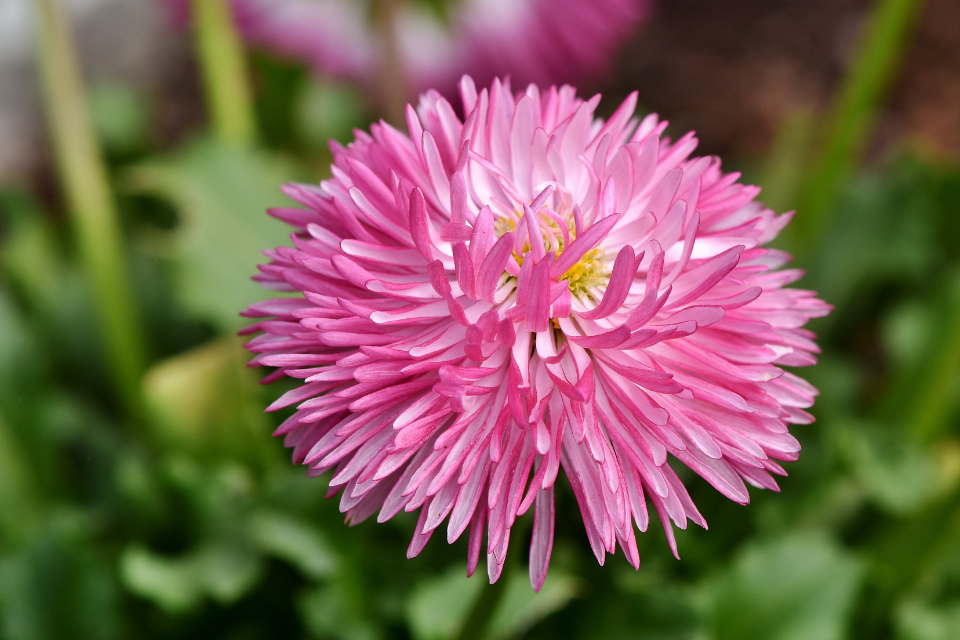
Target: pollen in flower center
{"points": [[586, 275]]}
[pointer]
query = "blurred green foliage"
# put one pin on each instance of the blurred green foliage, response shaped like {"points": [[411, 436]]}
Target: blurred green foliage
{"points": [[120, 118], [193, 524], [221, 193]]}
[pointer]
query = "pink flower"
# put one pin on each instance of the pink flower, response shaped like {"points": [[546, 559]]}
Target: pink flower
{"points": [[490, 300], [539, 41]]}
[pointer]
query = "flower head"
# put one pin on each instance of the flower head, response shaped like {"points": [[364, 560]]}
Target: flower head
{"points": [[539, 41], [490, 300]]}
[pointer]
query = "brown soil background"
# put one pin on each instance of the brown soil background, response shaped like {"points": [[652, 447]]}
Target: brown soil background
{"points": [[733, 70]]}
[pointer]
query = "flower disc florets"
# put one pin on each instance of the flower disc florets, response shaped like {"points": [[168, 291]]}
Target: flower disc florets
{"points": [[489, 300]]}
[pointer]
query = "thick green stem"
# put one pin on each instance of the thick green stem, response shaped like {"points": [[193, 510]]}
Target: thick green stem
{"points": [[225, 78], [783, 170], [854, 112], [87, 190], [393, 81]]}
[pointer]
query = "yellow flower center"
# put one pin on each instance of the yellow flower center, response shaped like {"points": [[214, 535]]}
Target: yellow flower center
{"points": [[588, 273]]}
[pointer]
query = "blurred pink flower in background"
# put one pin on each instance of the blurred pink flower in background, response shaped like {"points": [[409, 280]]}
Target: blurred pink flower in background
{"points": [[490, 299], [541, 41]]}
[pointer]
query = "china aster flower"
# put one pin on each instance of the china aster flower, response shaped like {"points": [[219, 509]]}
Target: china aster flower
{"points": [[539, 41], [492, 299]]}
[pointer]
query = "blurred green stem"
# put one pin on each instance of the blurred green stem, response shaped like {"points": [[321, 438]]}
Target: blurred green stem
{"points": [[224, 66], [783, 168], [853, 114], [393, 81], [87, 190]]}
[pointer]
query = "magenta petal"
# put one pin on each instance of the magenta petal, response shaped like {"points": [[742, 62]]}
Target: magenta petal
{"points": [[537, 249], [483, 236], [607, 340], [458, 199], [584, 242], [464, 268], [541, 543], [493, 265], [538, 298], [419, 224], [619, 286], [453, 231]]}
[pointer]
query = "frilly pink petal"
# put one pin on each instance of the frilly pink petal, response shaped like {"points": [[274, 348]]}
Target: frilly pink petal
{"points": [[600, 303]]}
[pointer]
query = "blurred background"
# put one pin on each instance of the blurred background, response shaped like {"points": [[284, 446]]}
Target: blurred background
{"points": [[141, 141]]}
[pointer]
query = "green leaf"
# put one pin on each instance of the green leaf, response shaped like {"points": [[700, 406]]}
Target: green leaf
{"points": [[222, 572], [898, 474], [905, 330], [19, 351], [328, 612], [797, 588], [650, 606], [521, 607], [29, 255], [300, 544], [916, 620], [438, 608], [19, 495], [327, 110], [23, 616], [58, 587], [119, 117], [222, 194], [884, 232], [924, 396], [57, 298]]}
